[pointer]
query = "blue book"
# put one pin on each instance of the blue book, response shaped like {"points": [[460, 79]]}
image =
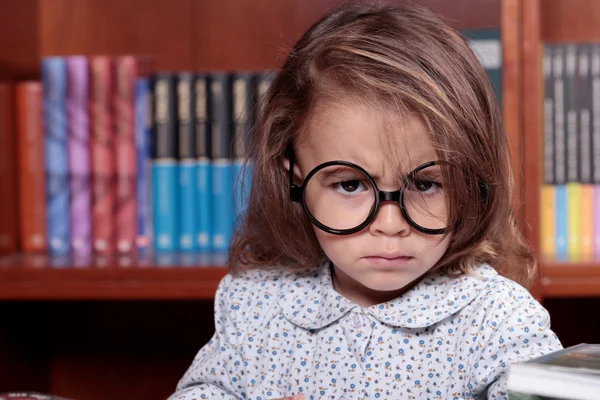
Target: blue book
{"points": [[186, 132], [165, 165], [562, 223], [203, 181], [221, 165], [164, 205], [244, 97], [56, 154], [142, 143], [242, 175], [204, 214]]}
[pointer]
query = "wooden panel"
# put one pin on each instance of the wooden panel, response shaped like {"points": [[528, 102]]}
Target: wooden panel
{"points": [[531, 117], [124, 350], [39, 278], [112, 27], [571, 280], [570, 20], [570, 287], [571, 270], [511, 94], [233, 35], [19, 39]]}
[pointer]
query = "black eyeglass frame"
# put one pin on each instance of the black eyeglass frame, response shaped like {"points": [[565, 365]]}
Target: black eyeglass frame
{"points": [[397, 196]]}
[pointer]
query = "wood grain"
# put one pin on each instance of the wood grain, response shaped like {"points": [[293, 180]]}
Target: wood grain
{"points": [[114, 27], [255, 35], [570, 20], [532, 125], [19, 39], [36, 277], [511, 96]]}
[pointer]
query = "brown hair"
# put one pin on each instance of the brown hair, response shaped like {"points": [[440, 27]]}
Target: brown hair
{"points": [[404, 58]]}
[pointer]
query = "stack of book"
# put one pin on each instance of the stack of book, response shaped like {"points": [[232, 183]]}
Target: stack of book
{"points": [[569, 374]]}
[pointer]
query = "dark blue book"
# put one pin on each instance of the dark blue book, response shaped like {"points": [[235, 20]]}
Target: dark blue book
{"points": [[203, 165], [164, 165], [244, 95], [186, 132], [221, 165]]}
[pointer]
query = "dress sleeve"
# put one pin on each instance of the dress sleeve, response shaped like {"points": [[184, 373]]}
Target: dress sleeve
{"points": [[522, 334], [216, 371]]}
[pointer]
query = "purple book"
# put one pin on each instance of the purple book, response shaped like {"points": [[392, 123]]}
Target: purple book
{"points": [[79, 157]]}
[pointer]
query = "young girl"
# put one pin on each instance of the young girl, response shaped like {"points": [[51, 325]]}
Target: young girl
{"points": [[379, 256]]}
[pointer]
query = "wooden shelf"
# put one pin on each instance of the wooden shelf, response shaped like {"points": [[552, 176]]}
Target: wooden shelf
{"points": [[41, 278], [570, 279]]}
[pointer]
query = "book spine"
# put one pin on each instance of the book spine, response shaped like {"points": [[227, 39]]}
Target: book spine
{"points": [[8, 174], [143, 131], [186, 129], [101, 155], [222, 185], [547, 194], [585, 151], [572, 132], [56, 155], [32, 182], [125, 74], [164, 164], [560, 153], [487, 46], [244, 93], [203, 164], [79, 157], [595, 89]]}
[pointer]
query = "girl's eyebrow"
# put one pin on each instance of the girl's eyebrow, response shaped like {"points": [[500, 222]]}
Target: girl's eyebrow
{"points": [[338, 172]]}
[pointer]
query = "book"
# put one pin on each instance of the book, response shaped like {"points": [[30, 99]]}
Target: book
{"points": [[79, 157], [8, 181], [164, 164], [221, 165], [244, 93], [56, 155], [486, 43], [203, 182], [29, 396], [187, 163], [143, 138], [102, 158], [571, 373], [31, 176]]}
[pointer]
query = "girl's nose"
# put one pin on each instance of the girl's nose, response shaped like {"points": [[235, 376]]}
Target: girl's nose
{"points": [[389, 220]]}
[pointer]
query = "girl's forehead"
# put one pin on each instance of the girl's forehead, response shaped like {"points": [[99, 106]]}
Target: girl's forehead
{"points": [[366, 134]]}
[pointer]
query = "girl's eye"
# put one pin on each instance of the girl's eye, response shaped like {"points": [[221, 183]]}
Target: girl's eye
{"points": [[353, 186], [425, 186]]}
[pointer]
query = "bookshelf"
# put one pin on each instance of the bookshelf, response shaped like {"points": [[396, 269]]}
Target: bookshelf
{"points": [[36, 278], [114, 332], [551, 21]]}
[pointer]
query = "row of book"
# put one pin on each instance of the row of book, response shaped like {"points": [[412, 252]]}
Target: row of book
{"points": [[114, 157], [570, 191]]}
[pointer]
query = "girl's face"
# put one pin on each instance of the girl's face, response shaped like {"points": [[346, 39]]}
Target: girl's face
{"points": [[383, 260]]}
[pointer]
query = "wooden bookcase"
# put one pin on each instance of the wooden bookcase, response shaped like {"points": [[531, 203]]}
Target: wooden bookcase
{"points": [[551, 21], [116, 333]]}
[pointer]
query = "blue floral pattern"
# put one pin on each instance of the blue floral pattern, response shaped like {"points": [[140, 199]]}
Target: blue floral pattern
{"points": [[283, 333]]}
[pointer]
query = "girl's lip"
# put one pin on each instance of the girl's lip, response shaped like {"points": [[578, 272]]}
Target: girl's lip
{"points": [[388, 261]]}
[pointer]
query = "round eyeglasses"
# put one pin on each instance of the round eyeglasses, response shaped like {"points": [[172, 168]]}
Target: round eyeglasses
{"points": [[341, 198]]}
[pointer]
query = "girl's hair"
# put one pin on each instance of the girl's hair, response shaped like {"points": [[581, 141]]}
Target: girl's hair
{"points": [[403, 59]]}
